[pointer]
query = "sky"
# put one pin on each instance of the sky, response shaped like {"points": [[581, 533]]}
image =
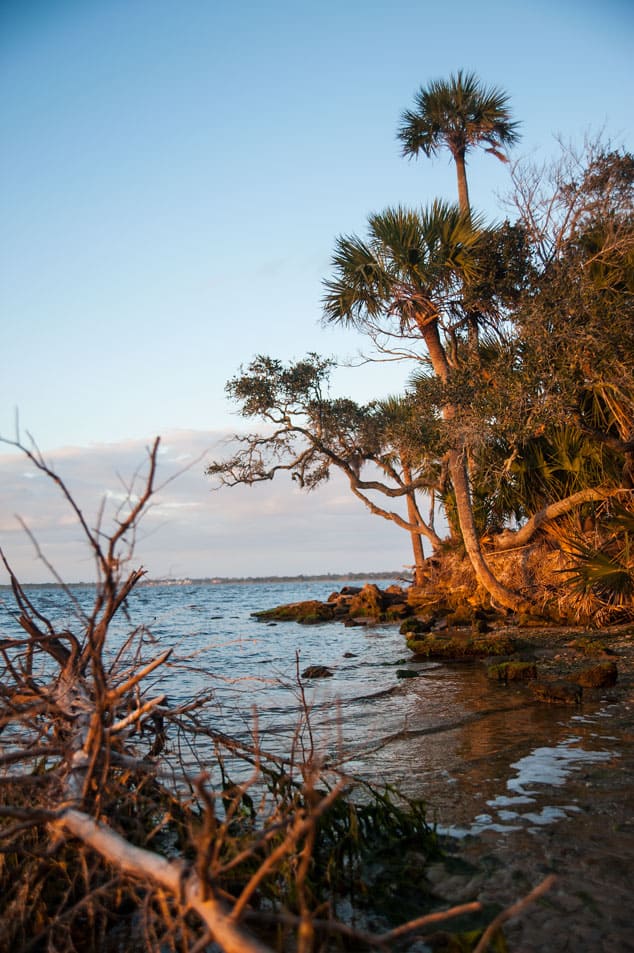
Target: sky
{"points": [[172, 180]]}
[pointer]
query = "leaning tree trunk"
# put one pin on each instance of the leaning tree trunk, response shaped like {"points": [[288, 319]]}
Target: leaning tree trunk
{"points": [[460, 481], [464, 508]]}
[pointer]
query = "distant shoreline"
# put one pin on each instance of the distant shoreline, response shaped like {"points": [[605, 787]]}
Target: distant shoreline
{"points": [[243, 580]]}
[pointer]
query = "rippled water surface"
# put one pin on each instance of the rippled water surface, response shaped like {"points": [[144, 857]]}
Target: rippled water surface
{"points": [[525, 787], [482, 756]]}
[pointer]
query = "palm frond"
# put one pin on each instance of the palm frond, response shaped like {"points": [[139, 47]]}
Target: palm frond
{"points": [[459, 113]]}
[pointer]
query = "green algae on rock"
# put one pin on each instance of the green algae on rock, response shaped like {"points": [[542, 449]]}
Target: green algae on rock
{"points": [[512, 671], [310, 612], [457, 647]]}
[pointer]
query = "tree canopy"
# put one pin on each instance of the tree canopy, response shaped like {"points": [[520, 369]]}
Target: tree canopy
{"points": [[517, 414]]}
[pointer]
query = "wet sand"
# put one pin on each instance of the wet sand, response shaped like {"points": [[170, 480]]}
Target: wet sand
{"points": [[532, 789]]}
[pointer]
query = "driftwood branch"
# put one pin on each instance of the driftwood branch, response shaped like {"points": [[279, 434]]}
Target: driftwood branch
{"points": [[170, 874]]}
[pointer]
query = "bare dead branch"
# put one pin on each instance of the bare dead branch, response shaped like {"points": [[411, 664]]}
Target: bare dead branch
{"points": [[171, 875]]}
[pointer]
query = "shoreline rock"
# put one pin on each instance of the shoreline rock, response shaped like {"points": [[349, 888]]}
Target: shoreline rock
{"points": [[554, 663]]}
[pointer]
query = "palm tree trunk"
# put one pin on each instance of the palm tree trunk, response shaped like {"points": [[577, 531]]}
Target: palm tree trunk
{"points": [[435, 348], [463, 189], [460, 481]]}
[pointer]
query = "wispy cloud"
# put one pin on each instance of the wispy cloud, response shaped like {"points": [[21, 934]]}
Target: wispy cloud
{"points": [[190, 530]]}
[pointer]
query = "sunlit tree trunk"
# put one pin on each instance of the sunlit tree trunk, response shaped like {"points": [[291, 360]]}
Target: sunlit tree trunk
{"points": [[460, 481], [463, 188]]}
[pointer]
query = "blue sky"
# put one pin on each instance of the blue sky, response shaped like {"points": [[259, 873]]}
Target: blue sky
{"points": [[173, 176]]}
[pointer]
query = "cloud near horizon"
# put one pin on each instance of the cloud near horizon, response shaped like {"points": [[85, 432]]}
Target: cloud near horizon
{"points": [[189, 530]]}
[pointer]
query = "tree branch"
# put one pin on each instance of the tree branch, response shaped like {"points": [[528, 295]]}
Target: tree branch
{"points": [[169, 874]]}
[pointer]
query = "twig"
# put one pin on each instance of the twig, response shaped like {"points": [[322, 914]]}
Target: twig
{"points": [[135, 715], [513, 911]]}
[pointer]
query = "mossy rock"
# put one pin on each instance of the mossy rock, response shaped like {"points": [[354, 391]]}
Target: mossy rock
{"points": [[406, 673], [486, 645], [416, 626], [454, 649], [587, 645], [558, 691], [599, 676], [310, 612], [512, 671]]}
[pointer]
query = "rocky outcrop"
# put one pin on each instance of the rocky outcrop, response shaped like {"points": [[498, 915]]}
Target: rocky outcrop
{"points": [[512, 671], [455, 647], [356, 605], [352, 605]]}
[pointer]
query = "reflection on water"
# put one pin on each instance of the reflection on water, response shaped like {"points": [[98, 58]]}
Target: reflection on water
{"points": [[484, 756]]}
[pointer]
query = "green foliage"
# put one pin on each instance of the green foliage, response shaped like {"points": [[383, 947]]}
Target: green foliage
{"points": [[270, 387], [555, 465], [602, 570], [408, 270], [504, 271], [459, 113], [374, 852]]}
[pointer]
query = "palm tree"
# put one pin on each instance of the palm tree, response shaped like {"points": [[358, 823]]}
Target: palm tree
{"points": [[410, 272], [459, 115]]}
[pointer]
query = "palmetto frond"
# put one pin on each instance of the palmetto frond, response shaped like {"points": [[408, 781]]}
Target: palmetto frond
{"points": [[409, 261], [361, 283], [605, 572], [459, 113]]}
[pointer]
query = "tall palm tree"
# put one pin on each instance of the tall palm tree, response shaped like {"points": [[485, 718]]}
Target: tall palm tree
{"points": [[409, 273], [458, 114]]}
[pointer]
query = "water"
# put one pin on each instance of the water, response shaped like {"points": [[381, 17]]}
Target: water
{"points": [[483, 757], [524, 788]]}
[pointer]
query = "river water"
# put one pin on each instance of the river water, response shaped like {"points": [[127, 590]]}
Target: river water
{"points": [[523, 788]]}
